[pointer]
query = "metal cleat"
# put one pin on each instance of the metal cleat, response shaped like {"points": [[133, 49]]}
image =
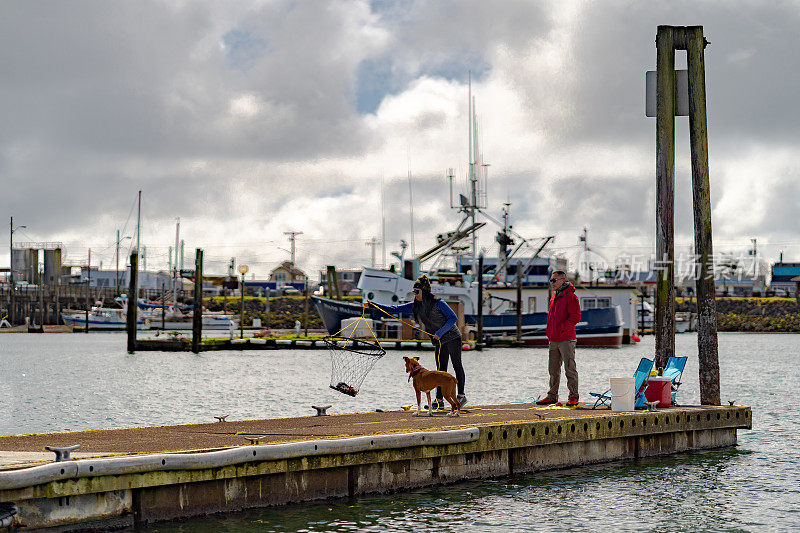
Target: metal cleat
{"points": [[321, 411], [221, 418], [254, 440], [731, 402], [652, 406], [62, 454]]}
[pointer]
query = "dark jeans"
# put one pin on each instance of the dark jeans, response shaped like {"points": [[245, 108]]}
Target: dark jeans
{"points": [[450, 350]]}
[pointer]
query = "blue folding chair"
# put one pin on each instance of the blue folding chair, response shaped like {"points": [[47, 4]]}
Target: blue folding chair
{"points": [[674, 370], [639, 377]]}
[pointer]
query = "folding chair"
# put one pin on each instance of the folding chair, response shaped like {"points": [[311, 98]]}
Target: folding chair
{"points": [[674, 370], [639, 377]]}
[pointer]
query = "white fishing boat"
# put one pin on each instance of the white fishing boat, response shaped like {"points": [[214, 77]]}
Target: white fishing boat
{"points": [[107, 318]]}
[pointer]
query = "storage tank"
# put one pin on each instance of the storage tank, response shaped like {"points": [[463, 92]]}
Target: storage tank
{"points": [[52, 266]]}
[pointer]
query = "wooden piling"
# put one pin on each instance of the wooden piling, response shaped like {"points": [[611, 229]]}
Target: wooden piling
{"points": [[333, 283], [197, 316], [305, 313], [133, 306], [698, 134], [479, 339], [664, 324], [519, 301]]}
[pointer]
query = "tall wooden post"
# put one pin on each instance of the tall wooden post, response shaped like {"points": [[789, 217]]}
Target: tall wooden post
{"points": [[305, 315], [664, 325], [669, 39], [519, 301], [479, 340], [197, 316], [708, 357], [133, 302]]}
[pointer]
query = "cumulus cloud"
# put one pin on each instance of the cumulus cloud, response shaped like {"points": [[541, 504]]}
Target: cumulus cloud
{"points": [[250, 119]]}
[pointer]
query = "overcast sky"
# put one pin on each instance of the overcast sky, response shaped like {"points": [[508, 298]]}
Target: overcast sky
{"points": [[249, 119]]}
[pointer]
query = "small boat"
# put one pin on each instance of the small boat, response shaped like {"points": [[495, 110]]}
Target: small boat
{"points": [[107, 318]]}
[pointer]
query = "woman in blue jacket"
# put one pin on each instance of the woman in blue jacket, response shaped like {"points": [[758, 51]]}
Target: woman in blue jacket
{"points": [[437, 317]]}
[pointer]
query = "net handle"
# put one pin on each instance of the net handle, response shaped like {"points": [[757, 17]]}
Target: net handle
{"points": [[433, 336]]}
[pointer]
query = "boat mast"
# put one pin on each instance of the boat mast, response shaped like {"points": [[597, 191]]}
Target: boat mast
{"points": [[135, 294], [472, 174], [175, 267], [410, 201]]}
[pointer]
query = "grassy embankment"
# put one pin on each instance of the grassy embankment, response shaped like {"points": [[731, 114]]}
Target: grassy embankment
{"points": [[752, 314]]}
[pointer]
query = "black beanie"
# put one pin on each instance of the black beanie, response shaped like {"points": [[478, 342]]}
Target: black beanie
{"points": [[423, 283]]}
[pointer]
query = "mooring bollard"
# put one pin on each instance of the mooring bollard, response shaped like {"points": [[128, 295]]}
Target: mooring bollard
{"points": [[322, 411], [221, 418], [62, 454]]}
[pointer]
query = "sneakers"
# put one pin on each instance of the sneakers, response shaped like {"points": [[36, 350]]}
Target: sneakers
{"points": [[546, 401], [438, 405], [462, 400], [572, 401]]}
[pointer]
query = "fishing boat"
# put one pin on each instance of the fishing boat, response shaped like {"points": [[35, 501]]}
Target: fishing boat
{"points": [[105, 318], [458, 283]]}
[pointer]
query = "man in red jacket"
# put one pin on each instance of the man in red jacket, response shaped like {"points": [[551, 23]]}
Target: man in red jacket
{"points": [[563, 314]]}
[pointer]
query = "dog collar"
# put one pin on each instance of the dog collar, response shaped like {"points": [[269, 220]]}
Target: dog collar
{"points": [[414, 372]]}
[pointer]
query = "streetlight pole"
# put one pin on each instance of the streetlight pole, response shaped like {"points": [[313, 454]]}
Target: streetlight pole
{"points": [[242, 271]]}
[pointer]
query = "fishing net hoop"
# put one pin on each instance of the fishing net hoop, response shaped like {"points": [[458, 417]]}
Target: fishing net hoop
{"points": [[351, 361]]}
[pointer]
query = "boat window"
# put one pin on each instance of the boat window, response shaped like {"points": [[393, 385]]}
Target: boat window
{"points": [[595, 303]]}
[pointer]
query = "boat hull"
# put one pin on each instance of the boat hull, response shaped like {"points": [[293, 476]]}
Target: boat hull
{"points": [[104, 323], [598, 327]]}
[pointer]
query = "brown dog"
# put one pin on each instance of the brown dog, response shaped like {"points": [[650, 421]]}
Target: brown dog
{"points": [[427, 380]]}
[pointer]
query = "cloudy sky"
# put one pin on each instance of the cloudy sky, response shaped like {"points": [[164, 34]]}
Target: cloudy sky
{"points": [[249, 119]]}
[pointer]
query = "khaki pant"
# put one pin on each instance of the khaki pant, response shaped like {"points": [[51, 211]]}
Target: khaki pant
{"points": [[563, 351]]}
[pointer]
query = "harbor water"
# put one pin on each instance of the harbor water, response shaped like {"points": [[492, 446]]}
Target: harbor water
{"points": [[64, 382]]}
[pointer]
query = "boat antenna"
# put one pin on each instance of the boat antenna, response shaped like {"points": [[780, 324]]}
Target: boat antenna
{"points": [[383, 224], [410, 198]]}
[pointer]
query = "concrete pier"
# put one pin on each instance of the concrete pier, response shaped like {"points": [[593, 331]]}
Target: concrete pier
{"points": [[143, 475]]}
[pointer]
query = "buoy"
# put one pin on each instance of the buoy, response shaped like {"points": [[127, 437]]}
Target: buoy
{"points": [[636, 338]]}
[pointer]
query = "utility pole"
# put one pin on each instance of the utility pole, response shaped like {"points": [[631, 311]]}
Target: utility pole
{"points": [[292, 236], [373, 242]]}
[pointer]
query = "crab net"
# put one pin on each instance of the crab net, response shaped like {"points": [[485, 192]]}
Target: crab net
{"points": [[351, 361]]}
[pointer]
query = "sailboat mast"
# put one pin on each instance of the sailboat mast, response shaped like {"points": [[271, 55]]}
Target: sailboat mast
{"points": [[138, 221], [175, 264]]}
